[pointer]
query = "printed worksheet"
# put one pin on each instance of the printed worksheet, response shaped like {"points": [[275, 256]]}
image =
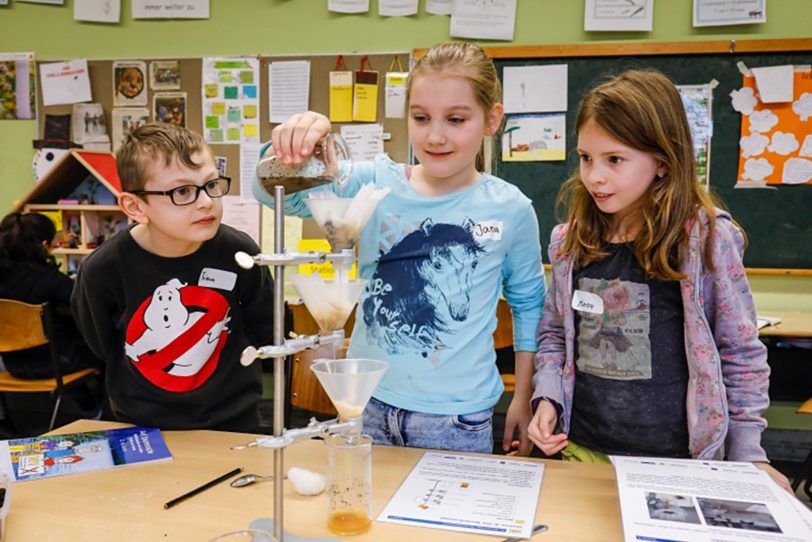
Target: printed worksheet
{"points": [[705, 501], [468, 493]]}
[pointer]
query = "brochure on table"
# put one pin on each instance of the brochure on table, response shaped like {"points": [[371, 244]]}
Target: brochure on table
{"points": [[704, 501], [473, 494], [56, 455]]}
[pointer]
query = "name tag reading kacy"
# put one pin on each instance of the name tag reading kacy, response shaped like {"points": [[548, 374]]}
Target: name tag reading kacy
{"points": [[587, 302]]}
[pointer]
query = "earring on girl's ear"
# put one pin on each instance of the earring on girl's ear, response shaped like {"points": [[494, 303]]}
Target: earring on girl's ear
{"points": [[661, 174]]}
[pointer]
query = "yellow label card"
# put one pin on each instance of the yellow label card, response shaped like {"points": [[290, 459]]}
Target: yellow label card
{"points": [[340, 96], [365, 97]]}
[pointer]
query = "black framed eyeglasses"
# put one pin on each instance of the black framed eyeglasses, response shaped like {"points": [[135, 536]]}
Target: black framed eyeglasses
{"points": [[188, 193]]}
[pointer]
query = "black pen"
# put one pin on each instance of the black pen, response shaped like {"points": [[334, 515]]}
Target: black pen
{"points": [[202, 488]]}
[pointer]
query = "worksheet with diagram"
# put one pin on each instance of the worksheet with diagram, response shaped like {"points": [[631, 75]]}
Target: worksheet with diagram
{"points": [[468, 493]]}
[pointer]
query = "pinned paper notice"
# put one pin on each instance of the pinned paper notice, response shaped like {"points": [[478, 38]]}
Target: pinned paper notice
{"points": [[341, 96], [757, 169], [797, 171], [535, 89], [774, 83], [806, 149], [743, 100], [753, 145], [95, 11], [803, 106], [289, 84], [395, 98], [65, 82], [363, 140], [763, 121], [783, 143]]}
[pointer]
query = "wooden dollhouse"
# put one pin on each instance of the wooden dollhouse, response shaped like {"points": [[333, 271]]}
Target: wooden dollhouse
{"points": [[80, 194]]}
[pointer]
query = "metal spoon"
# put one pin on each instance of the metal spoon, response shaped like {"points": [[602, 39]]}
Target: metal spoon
{"points": [[248, 479]]}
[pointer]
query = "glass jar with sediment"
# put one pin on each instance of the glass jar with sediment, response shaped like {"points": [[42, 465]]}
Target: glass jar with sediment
{"points": [[329, 163]]}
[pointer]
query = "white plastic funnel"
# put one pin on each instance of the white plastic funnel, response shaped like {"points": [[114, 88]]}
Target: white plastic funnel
{"points": [[343, 219], [330, 215], [349, 382], [329, 302]]}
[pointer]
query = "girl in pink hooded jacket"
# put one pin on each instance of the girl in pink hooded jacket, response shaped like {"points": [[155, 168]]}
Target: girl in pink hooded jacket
{"points": [[648, 343]]}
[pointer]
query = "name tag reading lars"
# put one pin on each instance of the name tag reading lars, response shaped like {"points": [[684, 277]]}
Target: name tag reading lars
{"points": [[217, 278], [587, 302]]}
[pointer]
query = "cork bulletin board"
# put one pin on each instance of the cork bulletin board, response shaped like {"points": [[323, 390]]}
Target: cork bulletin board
{"points": [[101, 84]]}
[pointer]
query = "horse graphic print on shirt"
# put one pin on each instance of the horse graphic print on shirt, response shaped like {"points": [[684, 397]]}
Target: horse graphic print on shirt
{"points": [[421, 286], [175, 337]]}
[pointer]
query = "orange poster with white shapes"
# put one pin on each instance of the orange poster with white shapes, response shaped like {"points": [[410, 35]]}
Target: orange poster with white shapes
{"points": [[775, 147]]}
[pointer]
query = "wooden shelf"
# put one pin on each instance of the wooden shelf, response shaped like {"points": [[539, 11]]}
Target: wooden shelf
{"points": [[72, 251]]}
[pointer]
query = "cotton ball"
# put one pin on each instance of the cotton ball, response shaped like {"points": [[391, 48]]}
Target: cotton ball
{"points": [[306, 482]]}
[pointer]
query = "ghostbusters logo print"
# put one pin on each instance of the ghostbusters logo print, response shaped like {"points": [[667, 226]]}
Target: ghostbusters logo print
{"points": [[175, 337]]}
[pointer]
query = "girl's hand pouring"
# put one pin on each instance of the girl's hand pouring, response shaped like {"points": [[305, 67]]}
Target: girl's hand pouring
{"points": [[295, 139]]}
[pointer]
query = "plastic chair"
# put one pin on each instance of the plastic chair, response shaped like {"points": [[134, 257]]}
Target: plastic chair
{"points": [[806, 468], [27, 326]]}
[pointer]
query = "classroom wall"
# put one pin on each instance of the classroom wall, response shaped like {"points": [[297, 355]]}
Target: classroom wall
{"points": [[247, 27]]}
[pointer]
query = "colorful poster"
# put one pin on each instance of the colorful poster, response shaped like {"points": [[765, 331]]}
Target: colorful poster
{"points": [[776, 139], [535, 138], [231, 100], [18, 89]]}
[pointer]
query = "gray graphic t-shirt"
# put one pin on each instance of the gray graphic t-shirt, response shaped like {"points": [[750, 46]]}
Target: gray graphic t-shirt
{"points": [[631, 371]]}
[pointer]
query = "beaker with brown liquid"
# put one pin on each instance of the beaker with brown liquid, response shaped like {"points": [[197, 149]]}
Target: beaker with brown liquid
{"points": [[329, 163], [349, 483]]}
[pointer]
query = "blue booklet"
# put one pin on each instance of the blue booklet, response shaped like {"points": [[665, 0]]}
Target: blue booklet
{"points": [[55, 455]]}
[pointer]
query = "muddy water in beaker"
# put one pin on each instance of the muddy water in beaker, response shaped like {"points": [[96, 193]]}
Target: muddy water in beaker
{"points": [[329, 163]]}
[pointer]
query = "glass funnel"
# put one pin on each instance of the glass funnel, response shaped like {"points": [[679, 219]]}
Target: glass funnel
{"points": [[329, 163]]}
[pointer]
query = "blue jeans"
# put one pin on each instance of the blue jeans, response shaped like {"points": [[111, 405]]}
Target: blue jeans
{"points": [[392, 426]]}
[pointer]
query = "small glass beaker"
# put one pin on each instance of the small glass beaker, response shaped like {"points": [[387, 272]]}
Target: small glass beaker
{"points": [[349, 483], [329, 163]]}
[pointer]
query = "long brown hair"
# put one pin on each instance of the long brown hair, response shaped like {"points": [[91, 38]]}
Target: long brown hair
{"points": [[468, 61], [642, 110]]}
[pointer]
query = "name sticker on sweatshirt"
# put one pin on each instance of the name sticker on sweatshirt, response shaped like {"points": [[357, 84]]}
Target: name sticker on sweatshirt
{"points": [[217, 278], [488, 229], [587, 302]]}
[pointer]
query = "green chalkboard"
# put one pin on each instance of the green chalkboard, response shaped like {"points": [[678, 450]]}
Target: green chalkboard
{"points": [[777, 221]]}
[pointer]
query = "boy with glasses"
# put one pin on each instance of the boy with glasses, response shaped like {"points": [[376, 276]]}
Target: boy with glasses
{"points": [[164, 303]]}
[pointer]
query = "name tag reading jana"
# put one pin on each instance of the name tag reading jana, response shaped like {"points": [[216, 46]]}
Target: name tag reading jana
{"points": [[587, 302], [217, 278]]}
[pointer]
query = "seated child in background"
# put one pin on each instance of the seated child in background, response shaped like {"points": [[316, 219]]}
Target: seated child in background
{"points": [[648, 342], [164, 302], [29, 273]]}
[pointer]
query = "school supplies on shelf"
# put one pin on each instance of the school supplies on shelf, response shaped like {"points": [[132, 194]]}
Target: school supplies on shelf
{"points": [[55, 455]]}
